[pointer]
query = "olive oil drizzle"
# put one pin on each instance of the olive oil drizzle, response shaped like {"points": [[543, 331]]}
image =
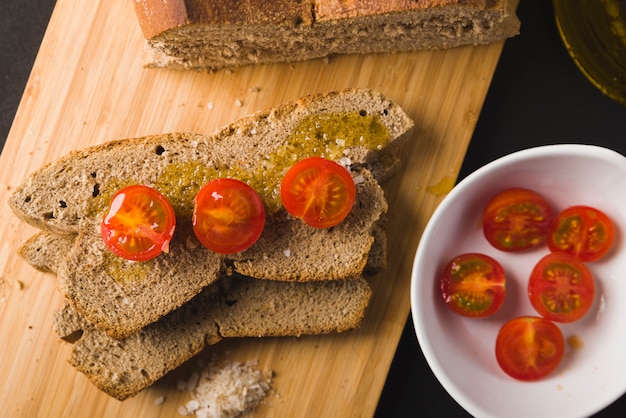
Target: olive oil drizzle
{"points": [[327, 135]]}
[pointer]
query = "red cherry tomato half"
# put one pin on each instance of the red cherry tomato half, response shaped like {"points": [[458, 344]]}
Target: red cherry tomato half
{"points": [[516, 219], [561, 288], [529, 347], [582, 231], [318, 191], [228, 216], [139, 223], [473, 285]]}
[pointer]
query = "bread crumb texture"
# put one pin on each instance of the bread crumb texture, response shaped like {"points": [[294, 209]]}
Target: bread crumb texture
{"points": [[225, 389]]}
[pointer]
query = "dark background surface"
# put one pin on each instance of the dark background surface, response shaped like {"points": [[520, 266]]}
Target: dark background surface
{"points": [[537, 97]]}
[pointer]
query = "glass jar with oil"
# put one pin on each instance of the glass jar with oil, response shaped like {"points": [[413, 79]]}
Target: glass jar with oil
{"points": [[594, 33]]}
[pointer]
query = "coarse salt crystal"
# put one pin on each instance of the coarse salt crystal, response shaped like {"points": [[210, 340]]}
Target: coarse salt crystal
{"points": [[359, 179], [192, 405]]}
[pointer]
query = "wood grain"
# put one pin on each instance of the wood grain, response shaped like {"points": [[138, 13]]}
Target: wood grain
{"points": [[88, 86]]}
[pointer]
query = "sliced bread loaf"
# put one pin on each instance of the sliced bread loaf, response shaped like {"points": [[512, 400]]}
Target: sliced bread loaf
{"points": [[69, 196], [121, 297], [212, 35], [236, 306]]}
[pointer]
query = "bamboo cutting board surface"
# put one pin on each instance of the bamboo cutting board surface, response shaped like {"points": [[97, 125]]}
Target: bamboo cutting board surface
{"points": [[88, 86]]}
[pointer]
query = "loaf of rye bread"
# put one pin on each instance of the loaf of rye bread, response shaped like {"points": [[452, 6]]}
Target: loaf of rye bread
{"points": [[68, 197], [210, 34], [234, 306]]}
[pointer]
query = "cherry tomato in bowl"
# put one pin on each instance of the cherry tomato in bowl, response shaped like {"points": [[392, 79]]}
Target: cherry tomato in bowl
{"points": [[473, 285], [529, 347], [517, 219], [228, 216], [318, 191], [582, 231], [561, 288], [139, 223]]}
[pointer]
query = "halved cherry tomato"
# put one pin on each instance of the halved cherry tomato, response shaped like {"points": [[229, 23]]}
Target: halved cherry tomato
{"points": [[318, 191], [473, 285], [561, 288], [582, 231], [139, 223], [529, 347], [517, 219], [228, 216]]}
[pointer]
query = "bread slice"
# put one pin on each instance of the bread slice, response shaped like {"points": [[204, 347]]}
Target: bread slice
{"points": [[236, 306], [353, 126], [120, 296], [206, 34], [47, 252]]}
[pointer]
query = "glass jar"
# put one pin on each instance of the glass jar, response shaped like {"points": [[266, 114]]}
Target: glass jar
{"points": [[594, 33]]}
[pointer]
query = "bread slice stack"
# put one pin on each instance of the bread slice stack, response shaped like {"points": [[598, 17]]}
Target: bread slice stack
{"points": [[132, 322], [210, 34]]}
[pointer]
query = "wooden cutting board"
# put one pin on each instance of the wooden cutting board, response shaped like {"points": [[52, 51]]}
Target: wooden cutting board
{"points": [[88, 86]]}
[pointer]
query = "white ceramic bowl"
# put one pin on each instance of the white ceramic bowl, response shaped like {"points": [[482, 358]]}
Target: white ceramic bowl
{"points": [[460, 351]]}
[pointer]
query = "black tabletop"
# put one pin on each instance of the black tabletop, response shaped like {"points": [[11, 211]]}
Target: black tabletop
{"points": [[537, 97]]}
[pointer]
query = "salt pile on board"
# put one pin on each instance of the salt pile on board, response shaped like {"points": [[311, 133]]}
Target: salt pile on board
{"points": [[225, 389]]}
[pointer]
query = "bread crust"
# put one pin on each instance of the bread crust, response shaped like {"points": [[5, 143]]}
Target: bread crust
{"points": [[156, 16], [327, 10]]}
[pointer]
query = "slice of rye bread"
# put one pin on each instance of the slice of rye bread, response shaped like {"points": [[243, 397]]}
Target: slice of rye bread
{"points": [[70, 194], [47, 251], [235, 306], [123, 297], [204, 34]]}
